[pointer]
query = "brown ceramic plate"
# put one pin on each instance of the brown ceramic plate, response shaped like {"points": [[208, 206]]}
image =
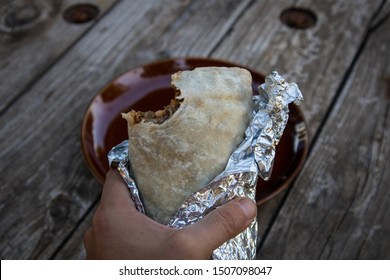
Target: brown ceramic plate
{"points": [[147, 87]]}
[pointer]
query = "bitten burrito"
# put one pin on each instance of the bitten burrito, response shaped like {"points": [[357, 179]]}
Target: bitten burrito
{"points": [[179, 150]]}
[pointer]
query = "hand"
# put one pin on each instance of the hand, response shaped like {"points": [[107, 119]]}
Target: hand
{"points": [[119, 231]]}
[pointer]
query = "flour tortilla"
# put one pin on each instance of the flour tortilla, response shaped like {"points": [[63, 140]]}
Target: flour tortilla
{"points": [[180, 153]]}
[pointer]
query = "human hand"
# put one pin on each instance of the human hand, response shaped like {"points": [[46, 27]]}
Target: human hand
{"points": [[119, 231]]}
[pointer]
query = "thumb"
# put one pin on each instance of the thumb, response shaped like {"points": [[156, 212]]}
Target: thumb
{"points": [[222, 224]]}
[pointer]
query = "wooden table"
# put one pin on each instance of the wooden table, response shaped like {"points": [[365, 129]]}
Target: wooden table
{"points": [[50, 69]]}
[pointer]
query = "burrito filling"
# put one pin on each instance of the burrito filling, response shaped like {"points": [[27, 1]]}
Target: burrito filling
{"points": [[157, 117]]}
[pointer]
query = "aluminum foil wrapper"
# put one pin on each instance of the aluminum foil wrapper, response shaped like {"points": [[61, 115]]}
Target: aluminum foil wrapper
{"points": [[254, 157]]}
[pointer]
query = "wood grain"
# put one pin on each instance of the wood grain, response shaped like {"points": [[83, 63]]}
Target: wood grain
{"points": [[339, 207], [73, 249], [382, 15], [25, 56]]}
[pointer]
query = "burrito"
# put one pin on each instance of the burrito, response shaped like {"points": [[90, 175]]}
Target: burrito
{"points": [[177, 151]]}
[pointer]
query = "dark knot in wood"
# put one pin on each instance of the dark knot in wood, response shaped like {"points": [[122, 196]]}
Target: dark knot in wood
{"points": [[59, 208], [81, 13], [22, 16], [298, 18]]}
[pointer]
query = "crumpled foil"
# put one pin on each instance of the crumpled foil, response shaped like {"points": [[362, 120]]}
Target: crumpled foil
{"points": [[254, 157]]}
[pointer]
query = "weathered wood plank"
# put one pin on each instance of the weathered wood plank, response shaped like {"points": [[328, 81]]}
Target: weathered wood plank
{"points": [[57, 109], [24, 56], [74, 248], [383, 14], [339, 207]]}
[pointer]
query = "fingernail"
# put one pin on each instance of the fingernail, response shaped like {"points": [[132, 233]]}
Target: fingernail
{"points": [[249, 207]]}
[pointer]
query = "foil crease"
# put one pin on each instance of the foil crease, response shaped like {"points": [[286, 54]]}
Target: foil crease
{"points": [[118, 158], [253, 158]]}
